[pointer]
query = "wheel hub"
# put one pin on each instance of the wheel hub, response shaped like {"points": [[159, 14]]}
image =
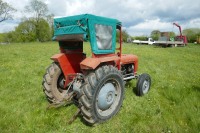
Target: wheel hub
{"points": [[61, 83], [109, 97], [145, 86], [106, 96]]}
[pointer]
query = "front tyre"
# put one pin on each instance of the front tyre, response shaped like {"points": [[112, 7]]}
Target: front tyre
{"points": [[143, 84], [102, 94]]}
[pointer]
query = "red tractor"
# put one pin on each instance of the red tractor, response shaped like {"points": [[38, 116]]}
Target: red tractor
{"points": [[96, 83]]}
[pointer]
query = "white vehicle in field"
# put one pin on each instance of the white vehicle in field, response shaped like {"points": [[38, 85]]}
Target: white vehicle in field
{"points": [[150, 41]]}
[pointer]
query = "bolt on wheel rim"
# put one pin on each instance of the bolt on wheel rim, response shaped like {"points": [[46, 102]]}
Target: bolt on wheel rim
{"points": [[108, 98], [145, 86]]}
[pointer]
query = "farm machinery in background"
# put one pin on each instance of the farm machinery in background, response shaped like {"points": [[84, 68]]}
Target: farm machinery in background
{"points": [[95, 84], [166, 41], [181, 37]]}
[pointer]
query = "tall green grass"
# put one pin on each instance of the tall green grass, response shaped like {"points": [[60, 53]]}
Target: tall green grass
{"points": [[172, 105]]}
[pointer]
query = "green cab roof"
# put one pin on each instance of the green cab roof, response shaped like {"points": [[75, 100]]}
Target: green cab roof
{"points": [[83, 17], [78, 24]]}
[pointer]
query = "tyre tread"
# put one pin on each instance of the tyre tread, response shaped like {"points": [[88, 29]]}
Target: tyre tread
{"points": [[88, 90], [47, 82], [140, 81]]}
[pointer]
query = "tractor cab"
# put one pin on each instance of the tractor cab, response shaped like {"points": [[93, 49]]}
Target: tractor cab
{"points": [[100, 31]]}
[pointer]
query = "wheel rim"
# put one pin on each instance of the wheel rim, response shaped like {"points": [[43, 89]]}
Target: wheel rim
{"points": [[108, 98], [60, 86], [145, 86], [60, 83]]}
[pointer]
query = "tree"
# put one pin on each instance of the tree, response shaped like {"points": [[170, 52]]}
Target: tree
{"points": [[192, 34], [155, 34], [49, 19], [39, 10], [141, 38], [172, 34], [25, 31], [5, 11], [2, 36], [10, 37], [45, 31], [125, 35]]}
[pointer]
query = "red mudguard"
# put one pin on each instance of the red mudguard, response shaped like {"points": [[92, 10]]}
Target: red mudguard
{"points": [[69, 63]]}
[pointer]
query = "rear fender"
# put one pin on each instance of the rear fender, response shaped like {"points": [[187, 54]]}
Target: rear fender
{"points": [[69, 64], [92, 63]]}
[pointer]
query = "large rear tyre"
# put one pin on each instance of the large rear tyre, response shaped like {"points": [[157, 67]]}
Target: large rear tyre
{"points": [[143, 84], [53, 82], [102, 95]]}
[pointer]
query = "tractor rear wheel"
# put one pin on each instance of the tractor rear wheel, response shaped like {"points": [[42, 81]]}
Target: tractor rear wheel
{"points": [[102, 94], [53, 84]]}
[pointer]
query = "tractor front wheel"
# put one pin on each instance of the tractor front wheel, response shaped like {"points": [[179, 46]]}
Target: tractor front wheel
{"points": [[102, 94], [53, 84], [143, 84]]}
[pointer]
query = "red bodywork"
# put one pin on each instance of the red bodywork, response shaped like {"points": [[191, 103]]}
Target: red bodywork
{"points": [[69, 63], [115, 60], [74, 61]]}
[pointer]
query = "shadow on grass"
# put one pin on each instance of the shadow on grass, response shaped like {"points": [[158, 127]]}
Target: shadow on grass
{"points": [[134, 90], [196, 88], [54, 106], [129, 84], [76, 114], [84, 122]]}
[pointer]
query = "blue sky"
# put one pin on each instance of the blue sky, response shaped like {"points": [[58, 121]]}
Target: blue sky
{"points": [[138, 17]]}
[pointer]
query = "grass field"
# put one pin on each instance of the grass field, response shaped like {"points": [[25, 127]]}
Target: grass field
{"points": [[172, 105]]}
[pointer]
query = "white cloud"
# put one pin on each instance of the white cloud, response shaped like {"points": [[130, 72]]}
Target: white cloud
{"points": [[147, 26], [8, 26], [56, 7], [192, 23], [75, 7], [19, 5]]}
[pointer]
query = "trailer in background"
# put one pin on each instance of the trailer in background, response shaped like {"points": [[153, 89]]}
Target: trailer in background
{"points": [[166, 41], [150, 41], [169, 43]]}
